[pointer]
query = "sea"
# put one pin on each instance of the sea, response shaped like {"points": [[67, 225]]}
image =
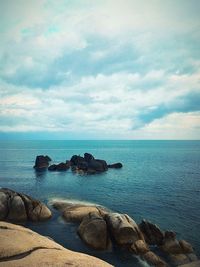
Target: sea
{"points": [[159, 182]]}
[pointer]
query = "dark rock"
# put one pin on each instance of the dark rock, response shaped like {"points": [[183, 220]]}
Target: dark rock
{"points": [[98, 165], [83, 165], [93, 231], [186, 247], [62, 167], [53, 167], [170, 244], [88, 157], [139, 247], [68, 162], [115, 165], [124, 229], [75, 160], [42, 162], [152, 233], [152, 259], [20, 207]]}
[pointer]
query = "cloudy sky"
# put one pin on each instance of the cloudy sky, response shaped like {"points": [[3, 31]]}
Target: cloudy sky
{"points": [[103, 69]]}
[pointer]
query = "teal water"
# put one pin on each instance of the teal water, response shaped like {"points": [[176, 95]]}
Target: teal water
{"points": [[160, 181]]}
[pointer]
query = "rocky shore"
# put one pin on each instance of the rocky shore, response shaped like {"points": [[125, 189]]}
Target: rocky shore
{"points": [[21, 247], [98, 227], [82, 165]]}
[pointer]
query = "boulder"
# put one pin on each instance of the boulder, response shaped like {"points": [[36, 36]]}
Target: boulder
{"points": [[21, 247], [170, 243], [76, 212], [152, 259], [117, 165], [178, 259], [42, 162], [186, 247], [98, 165], [152, 233], [75, 160], [93, 231], [124, 229], [62, 167], [88, 157], [140, 247], [20, 207], [52, 167]]}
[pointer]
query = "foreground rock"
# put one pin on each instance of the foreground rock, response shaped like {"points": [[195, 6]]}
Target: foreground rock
{"points": [[42, 162], [20, 207], [124, 230], [21, 247], [77, 212], [93, 231]]}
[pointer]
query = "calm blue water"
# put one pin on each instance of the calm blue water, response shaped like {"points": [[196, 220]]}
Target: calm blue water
{"points": [[160, 181]]}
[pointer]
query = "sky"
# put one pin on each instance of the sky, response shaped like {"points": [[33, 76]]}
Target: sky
{"points": [[103, 69]]}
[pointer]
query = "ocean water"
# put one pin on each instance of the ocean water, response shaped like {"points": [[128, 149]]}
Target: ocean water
{"points": [[159, 181]]}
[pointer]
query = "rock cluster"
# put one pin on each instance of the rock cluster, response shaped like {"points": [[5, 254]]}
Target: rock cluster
{"points": [[99, 228], [20, 207], [82, 165], [21, 247]]}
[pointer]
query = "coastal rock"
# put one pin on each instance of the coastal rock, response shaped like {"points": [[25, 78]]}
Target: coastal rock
{"points": [[98, 165], [124, 229], [93, 231], [170, 244], [115, 165], [152, 233], [88, 157], [186, 247], [76, 212], [20, 207], [152, 259], [139, 247], [59, 167], [21, 247], [42, 162], [178, 259], [88, 164]]}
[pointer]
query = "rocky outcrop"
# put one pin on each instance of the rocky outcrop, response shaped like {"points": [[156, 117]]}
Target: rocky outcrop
{"points": [[117, 165], [124, 229], [21, 247], [154, 260], [20, 207], [93, 231], [77, 212], [42, 162], [152, 233], [59, 167]]}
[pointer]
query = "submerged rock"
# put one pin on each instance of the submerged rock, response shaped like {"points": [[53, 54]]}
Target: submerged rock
{"points": [[21, 247], [42, 162], [20, 207], [115, 165], [93, 231]]}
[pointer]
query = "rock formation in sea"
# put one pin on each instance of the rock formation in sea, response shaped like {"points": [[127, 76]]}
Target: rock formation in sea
{"points": [[20, 207], [41, 162], [82, 165], [21, 247], [102, 229]]}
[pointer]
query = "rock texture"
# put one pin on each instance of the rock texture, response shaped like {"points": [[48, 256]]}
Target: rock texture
{"points": [[59, 167], [124, 229], [93, 231], [117, 165], [152, 233], [20, 207], [77, 212], [21, 247]]}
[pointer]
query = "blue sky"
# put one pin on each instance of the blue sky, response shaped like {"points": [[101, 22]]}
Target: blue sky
{"points": [[107, 69]]}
